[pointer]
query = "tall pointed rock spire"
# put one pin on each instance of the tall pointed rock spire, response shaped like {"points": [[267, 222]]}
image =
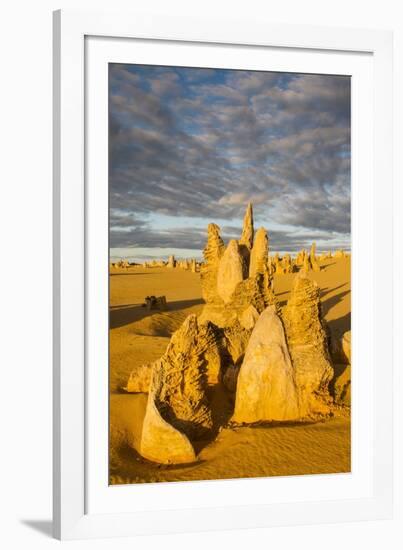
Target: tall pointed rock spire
{"points": [[247, 229]]}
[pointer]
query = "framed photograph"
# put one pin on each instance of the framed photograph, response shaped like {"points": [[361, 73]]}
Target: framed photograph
{"points": [[223, 334]]}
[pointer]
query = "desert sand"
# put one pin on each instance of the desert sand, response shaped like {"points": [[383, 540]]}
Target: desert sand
{"points": [[139, 336]]}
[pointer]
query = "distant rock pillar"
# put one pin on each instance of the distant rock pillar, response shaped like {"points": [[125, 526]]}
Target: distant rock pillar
{"points": [[171, 261], [247, 237], [313, 259]]}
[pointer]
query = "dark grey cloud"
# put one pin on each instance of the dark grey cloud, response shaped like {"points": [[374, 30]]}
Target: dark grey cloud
{"points": [[201, 143]]}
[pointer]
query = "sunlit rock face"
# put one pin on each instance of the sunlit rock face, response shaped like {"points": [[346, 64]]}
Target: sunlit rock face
{"points": [[308, 344], [178, 404], [237, 278], [230, 271], [160, 441], [246, 240], [259, 254], [266, 388], [313, 259], [212, 253]]}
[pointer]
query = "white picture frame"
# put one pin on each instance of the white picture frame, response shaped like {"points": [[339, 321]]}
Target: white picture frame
{"points": [[77, 251]]}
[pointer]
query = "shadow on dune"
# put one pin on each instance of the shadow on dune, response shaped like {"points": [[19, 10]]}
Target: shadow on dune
{"points": [[120, 316], [330, 302], [341, 325], [323, 293], [281, 293], [327, 290]]}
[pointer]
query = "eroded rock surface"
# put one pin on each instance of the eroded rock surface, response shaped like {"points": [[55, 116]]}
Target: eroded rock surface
{"points": [[241, 279], [259, 254], [180, 378], [249, 317], [230, 271], [307, 344], [171, 261], [140, 379], [160, 441], [246, 240], [341, 385], [247, 229], [306, 266], [236, 339], [313, 259], [340, 348], [266, 388], [212, 253]]}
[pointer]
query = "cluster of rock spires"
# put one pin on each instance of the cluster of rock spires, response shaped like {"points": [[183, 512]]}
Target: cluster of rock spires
{"points": [[236, 277], [275, 265], [122, 264], [186, 264], [278, 365]]}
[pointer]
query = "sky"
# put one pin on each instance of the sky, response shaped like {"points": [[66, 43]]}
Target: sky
{"points": [[190, 146]]}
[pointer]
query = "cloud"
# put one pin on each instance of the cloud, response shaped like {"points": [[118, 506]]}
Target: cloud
{"points": [[201, 143]]}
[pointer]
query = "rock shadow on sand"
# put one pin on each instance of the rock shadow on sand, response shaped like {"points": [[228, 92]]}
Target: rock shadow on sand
{"points": [[331, 302], [120, 316]]}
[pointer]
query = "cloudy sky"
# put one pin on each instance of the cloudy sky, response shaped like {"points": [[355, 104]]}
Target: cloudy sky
{"points": [[190, 146]]}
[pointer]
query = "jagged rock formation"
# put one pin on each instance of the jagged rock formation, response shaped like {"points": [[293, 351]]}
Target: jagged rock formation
{"points": [[266, 388], [212, 253], [234, 343], [346, 345], [124, 264], [278, 364], [227, 290], [246, 240], [236, 338], [247, 230], [209, 350], [278, 268], [171, 261], [140, 379], [183, 264], [306, 266], [299, 260], [287, 264], [160, 441], [313, 259], [308, 345], [340, 348], [255, 291], [270, 266], [341, 385], [259, 253], [180, 378], [282, 266], [249, 317], [230, 271]]}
